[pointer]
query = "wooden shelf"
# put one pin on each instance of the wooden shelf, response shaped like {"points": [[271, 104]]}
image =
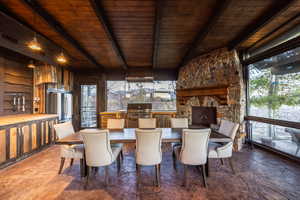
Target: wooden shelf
{"points": [[220, 93]]}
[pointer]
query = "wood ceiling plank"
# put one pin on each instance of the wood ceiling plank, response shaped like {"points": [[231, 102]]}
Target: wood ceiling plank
{"points": [[218, 11], [276, 9], [96, 4], [36, 7]]}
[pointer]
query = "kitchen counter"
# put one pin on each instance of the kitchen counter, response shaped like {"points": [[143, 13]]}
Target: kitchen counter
{"points": [[24, 134], [23, 118]]}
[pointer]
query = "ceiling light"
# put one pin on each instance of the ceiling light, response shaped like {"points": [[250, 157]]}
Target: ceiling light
{"points": [[61, 58], [31, 65], [34, 44]]}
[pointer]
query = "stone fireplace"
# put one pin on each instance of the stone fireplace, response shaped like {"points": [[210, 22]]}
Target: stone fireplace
{"points": [[208, 72]]}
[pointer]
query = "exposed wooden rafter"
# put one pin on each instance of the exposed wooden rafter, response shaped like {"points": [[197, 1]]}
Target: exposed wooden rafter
{"points": [[295, 17], [37, 8], [156, 34], [221, 6], [96, 4], [256, 25]]}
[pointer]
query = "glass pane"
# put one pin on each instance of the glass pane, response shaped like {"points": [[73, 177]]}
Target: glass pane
{"points": [[277, 137], [274, 87], [88, 106], [162, 94]]}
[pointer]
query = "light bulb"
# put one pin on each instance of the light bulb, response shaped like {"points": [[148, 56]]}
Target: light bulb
{"points": [[34, 44], [61, 58]]}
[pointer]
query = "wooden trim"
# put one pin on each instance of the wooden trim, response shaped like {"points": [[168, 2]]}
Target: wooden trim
{"points": [[156, 32], [7, 143], [256, 25], [99, 11], [52, 22], [220, 8], [30, 137], [209, 91], [274, 121]]}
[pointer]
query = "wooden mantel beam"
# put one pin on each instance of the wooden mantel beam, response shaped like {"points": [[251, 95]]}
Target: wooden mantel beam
{"points": [[256, 25], [221, 6], [99, 11], [52, 22], [156, 34]]}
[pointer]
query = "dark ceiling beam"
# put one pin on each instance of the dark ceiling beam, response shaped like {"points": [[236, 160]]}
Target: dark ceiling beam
{"points": [[288, 45], [256, 25], [37, 8], [99, 11], [156, 33], [220, 7]]}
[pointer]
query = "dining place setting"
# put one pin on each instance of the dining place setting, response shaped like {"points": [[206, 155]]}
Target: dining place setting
{"points": [[191, 146]]}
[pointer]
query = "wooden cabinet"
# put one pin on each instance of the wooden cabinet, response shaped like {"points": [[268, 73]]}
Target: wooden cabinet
{"points": [[22, 138]]}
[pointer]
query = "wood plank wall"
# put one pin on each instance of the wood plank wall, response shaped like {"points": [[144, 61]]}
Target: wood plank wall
{"points": [[15, 77]]}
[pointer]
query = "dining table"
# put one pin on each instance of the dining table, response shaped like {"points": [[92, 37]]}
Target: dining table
{"points": [[127, 135]]}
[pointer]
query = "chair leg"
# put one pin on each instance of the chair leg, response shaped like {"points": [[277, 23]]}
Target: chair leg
{"points": [[71, 162], [231, 165], [62, 162], [207, 168], [174, 161], [222, 161], [88, 172], [184, 175], [157, 170], [119, 164], [204, 175], [106, 175], [122, 154], [82, 167], [138, 173]]}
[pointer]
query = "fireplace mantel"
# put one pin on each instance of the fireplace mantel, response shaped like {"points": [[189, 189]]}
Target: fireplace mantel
{"points": [[220, 93]]}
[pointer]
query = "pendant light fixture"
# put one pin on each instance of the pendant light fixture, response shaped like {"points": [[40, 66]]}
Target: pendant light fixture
{"points": [[34, 44], [31, 64], [61, 58]]}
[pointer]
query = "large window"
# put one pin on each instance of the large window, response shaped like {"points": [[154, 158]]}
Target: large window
{"points": [[162, 94], [274, 92]]}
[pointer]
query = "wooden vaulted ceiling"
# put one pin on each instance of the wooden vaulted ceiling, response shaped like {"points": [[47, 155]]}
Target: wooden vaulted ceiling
{"points": [[163, 34]]}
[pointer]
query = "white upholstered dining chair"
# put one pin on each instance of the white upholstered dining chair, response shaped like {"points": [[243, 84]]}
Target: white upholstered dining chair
{"points": [[148, 151], [68, 151], [116, 124], [98, 151], [193, 151], [179, 123], [147, 122], [222, 151]]}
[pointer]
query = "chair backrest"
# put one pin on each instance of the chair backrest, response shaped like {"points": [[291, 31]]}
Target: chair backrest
{"points": [[194, 146], [147, 122], [64, 129], [179, 123], [115, 123], [148, 146], [228, 128], [97, 148]]}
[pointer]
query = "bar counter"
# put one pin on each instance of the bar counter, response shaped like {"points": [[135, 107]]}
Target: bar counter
{"points": [[163, 117], [24, 134]]}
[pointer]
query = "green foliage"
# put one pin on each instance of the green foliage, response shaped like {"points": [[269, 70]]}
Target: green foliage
{"points": [[264, 91]]}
